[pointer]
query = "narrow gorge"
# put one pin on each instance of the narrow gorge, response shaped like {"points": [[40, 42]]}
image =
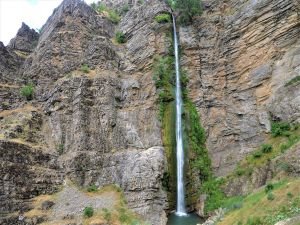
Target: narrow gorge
{"points": [[125, 112]]}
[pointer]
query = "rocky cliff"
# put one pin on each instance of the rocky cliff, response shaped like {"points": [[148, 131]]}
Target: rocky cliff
{"points": [[96, 128], [94, 116], [240, 55]]}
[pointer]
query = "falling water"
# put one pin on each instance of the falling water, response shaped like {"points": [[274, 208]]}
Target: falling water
{"points": [[180, 211]]}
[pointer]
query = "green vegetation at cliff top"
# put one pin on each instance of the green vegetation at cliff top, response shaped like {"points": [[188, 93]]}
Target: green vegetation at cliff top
{"points": [[111, 14], [187, 9]]}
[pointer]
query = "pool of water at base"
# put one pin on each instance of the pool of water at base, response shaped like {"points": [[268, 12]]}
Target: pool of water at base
{"points": [[190, 219]]}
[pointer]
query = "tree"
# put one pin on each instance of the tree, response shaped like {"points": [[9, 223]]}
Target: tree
{"points": [[187, 9]]}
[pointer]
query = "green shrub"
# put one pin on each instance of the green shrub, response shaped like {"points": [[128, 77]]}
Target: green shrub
{"points": [[269, 187], [124, 9], [270, 196], [293, 81], [113, 16], [188, 9], [88, 211], [240, 171], [101, 8], [92, 188], [257, 154], [289, 195], [27, 91], [85, 68], [120, 37], [266, 148], [165, 96], [163, 18], [279, 128]]}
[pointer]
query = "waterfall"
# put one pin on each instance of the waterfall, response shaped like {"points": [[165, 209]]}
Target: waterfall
{"points": [[180, 210]]}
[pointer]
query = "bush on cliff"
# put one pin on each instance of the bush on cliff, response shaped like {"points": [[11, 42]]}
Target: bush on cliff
{"points": [[85, 68], [120, 37], [163, 18], [27, 91], [88, 212], [187, 10], [280, 128]]}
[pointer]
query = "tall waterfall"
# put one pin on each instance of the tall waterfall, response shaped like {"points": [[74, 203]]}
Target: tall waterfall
{"points": [[180, 210]]}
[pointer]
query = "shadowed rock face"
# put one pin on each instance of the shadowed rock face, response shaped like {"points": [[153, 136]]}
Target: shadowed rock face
{"points": [[239, 56], [26, 39], [9, 64], [25, 173]]}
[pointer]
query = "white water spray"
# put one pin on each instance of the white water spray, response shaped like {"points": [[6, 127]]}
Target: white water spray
{"points": [[180, 210]]}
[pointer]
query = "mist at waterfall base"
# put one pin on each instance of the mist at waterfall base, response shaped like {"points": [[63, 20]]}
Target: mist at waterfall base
{"points": [[180, 217]]}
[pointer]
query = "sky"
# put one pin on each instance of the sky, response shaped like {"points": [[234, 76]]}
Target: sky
{"points": [[33, 12]]}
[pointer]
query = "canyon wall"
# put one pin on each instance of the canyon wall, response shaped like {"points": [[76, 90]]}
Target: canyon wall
{"points": [[239, 56], [103, 127]]}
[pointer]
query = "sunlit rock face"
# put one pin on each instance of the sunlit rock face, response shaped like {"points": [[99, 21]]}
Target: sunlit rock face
{"points": [[240, 55]]}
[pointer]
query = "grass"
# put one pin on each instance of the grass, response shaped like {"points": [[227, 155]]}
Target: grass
{"points": [[268, 208], [113, 16]]}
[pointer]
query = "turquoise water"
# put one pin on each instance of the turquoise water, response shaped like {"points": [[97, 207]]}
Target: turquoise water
{"points": [[190, 219]]}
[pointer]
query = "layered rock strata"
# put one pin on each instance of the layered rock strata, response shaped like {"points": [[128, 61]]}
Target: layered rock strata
{"points": [[101, 126], [240, 55]]}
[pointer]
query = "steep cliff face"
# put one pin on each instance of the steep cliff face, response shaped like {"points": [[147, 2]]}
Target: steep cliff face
{"points": [[99, 124], [100, 127], [240, 55]]}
